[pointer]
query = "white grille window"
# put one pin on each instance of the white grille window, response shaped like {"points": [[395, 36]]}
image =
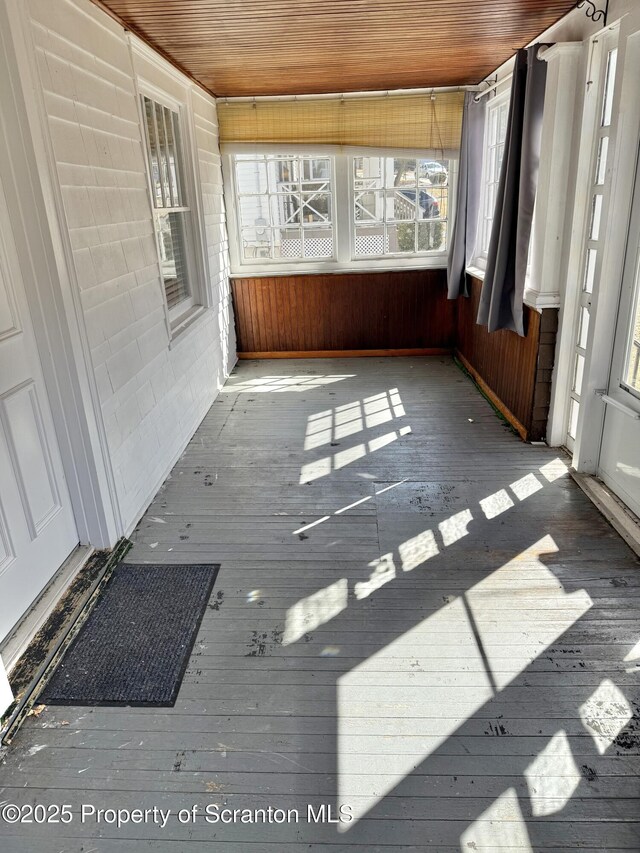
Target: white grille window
{"points": [[331, 208], [284, 207], [495, 133], [400, 205], [172, 214]]}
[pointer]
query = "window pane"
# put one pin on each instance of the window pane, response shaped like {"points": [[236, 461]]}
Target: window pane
{"points": [[284, 175], [367, 172], [254, 211], [251, 177], [578, 374], [432, 236], [287, 243], [401, 205], [401, 237], [369, 206], [318, 242], [590, 270], [173, 257], [601, 166], [632, 371], [369, 240], [401, 172], [433, 203], [316, 207], [433, 173], [285, 209], [256, 243], [609, 87], [596, 217], [584, 329], [574, 411], [316, 169], [152, 142], [164, 154]]}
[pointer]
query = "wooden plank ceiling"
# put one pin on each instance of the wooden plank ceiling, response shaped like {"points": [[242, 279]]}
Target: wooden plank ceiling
{"points": [[271, 47]]}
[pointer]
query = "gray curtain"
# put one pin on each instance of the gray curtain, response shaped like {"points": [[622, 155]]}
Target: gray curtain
{"points": [[501, 299], [463, 238]]}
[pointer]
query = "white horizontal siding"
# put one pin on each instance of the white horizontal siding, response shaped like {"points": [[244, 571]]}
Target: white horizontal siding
{"points": [[152, 395]]}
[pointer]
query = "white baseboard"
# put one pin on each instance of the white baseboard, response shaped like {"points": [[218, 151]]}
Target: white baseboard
{"points": [[618, 516]]}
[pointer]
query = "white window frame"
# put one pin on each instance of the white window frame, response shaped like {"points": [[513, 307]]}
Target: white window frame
{"points": [[479, 262], [181, 315], [343, 223], [269, 194], [353, 223]]}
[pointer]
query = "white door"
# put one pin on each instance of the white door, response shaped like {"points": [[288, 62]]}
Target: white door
{"points": [[604, 59], [37, 527], [619, 465]]}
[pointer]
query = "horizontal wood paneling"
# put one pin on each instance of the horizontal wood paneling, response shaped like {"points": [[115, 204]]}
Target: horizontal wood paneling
{"points": [[502, 361], [350, 311], [271, 47]]}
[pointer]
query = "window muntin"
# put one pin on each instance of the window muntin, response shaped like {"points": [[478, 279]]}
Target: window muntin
{"points": [[400, 206], [172, 214], [285, 207], [495, 135]]}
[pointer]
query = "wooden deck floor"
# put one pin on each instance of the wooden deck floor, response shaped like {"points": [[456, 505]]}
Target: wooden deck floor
{"points": [[417, 615]]}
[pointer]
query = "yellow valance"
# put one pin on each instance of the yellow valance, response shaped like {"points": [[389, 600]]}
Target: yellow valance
{"points": [[417, 121]]}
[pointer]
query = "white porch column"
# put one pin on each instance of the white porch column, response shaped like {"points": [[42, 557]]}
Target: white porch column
{"points": [[553, 199], [6, 694]]}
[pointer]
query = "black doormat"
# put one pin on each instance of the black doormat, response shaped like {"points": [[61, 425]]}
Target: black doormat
{"points": [[135, 645]]}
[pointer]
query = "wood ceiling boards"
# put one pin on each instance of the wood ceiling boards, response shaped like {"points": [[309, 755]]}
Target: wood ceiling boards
{"points": [[278, 47]]}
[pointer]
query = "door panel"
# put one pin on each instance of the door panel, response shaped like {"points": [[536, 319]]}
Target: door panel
{"points": [[619, 465], [37, 527]]}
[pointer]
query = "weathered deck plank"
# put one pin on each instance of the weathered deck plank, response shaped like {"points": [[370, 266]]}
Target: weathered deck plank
{"points": [[416, 614]]}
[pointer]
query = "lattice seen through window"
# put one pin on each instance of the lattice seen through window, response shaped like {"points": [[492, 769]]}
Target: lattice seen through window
{"points": [[171, 210], [400, 205], [284, 207]]}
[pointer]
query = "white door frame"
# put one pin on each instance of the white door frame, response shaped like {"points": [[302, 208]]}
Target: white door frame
{"points": [[33, 193], [606, 294]]}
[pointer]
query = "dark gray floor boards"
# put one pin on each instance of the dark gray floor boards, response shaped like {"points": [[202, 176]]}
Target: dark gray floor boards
{"points": [[417, 615]]}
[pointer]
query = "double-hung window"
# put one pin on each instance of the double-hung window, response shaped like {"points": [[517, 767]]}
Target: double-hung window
{"points": [[495, 134], [171, 210]]}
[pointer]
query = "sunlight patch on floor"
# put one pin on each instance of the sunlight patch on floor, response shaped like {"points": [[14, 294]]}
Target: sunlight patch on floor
{"points": [[331, 426], [552, 777], [500, 827], [278, 384], [489, 628], [315, 610], [605, 714]]}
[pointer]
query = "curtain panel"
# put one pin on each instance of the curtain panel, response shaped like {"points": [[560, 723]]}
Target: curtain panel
{"points": [[501, 299], [462, 246]]}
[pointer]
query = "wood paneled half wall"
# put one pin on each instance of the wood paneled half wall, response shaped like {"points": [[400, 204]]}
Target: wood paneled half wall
{"points": [[513, 372], [372, 313]]}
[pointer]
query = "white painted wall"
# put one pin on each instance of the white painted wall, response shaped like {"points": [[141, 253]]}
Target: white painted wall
{"points": [[153, 392]]}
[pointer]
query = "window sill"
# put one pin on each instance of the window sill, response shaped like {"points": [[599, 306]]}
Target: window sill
{"points": [[391, 264], [186, 323], [476, 272]]}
